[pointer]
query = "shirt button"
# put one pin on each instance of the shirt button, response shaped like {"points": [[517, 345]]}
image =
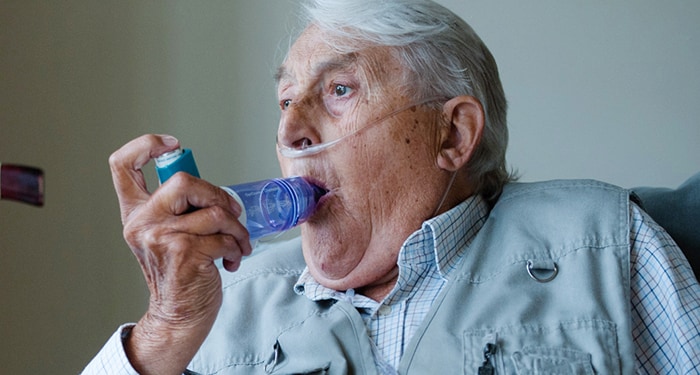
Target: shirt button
{"points": [[384, 310]]}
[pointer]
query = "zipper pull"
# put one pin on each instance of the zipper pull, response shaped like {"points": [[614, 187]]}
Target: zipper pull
{"points": [[274, 358], [487, 367]]}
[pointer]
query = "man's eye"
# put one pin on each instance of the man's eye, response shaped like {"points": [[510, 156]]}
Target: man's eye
{"points": [[284, 104], [341, 90]]}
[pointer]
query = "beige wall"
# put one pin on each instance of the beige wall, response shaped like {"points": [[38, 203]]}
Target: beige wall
{"points": [[80, 78], [77, 80]]}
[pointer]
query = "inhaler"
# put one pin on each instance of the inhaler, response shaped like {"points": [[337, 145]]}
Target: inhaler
{"points": [[268, 206]]}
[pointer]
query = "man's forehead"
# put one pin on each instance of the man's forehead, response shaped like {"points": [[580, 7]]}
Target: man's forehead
{"points": [[324, 64]]}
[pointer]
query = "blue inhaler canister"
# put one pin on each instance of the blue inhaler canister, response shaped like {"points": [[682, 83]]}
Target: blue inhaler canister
{"points": [[269, 206], [175, 161]]}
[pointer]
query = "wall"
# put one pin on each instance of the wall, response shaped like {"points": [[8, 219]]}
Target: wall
{"points": [[596, 90], [78, 79], [604, 90]]}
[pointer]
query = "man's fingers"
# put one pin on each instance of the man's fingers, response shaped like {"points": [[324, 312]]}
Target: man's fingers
{"points": [[182, 192], [126, 164], [219, 218], [216, 211], [202, 250]]}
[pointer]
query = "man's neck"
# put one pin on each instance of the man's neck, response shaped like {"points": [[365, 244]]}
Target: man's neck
{"points": [[380, 290]]}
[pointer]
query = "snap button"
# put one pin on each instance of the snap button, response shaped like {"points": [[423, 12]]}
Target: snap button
{"points": [[384, 310]]}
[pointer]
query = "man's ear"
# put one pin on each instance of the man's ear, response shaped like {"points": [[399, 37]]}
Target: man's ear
{"points": [[464, 117]]}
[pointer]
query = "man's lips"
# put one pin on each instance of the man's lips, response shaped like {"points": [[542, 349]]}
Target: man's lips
{"points": [[320, 189]]}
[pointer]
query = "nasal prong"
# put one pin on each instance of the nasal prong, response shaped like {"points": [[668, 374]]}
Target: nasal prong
{"points": [[300, 144], [303, 144]]}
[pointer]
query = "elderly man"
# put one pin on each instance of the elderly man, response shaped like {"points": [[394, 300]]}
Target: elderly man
{"points": [[423, 257]]}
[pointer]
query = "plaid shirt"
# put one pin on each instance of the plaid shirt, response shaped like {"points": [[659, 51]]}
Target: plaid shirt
{"points": [[665, 295]]}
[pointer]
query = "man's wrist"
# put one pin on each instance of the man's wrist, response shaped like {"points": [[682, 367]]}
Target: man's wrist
{"points": [[126, 332]]}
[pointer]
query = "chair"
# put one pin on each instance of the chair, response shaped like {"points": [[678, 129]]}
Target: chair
{"points": [[677, 211]]}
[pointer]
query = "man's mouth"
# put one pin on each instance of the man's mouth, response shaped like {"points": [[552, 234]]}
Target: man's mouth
{"points": [[320, 189], [319, 192]]}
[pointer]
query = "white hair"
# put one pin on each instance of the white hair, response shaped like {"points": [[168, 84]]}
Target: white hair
{"points": [[443, 56]]}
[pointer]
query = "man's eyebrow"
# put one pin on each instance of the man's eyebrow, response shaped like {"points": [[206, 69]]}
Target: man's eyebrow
{"points": [[339, 62], [281, 74]]}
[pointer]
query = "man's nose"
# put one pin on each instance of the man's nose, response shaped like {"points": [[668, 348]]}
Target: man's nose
{"points": [[298, 126]]}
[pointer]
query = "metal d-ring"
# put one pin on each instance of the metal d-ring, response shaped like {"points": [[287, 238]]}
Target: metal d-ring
{"points": [[543, 265]]}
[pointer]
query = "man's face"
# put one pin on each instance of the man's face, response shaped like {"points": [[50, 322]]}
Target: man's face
{"points": [[383, 181]]}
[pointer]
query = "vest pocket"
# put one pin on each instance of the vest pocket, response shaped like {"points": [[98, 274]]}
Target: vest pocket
{"points": [[579, 347], [318, 371], [543, 360], [308, 366]]}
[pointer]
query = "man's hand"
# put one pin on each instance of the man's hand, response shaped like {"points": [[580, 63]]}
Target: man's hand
{"points": [[176, 248]]}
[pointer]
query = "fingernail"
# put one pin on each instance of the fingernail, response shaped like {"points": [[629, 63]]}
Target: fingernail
{"points": [[169, 140]]}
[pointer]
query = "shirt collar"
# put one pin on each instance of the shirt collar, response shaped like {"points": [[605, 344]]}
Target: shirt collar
{"points": [[441, 241]]}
